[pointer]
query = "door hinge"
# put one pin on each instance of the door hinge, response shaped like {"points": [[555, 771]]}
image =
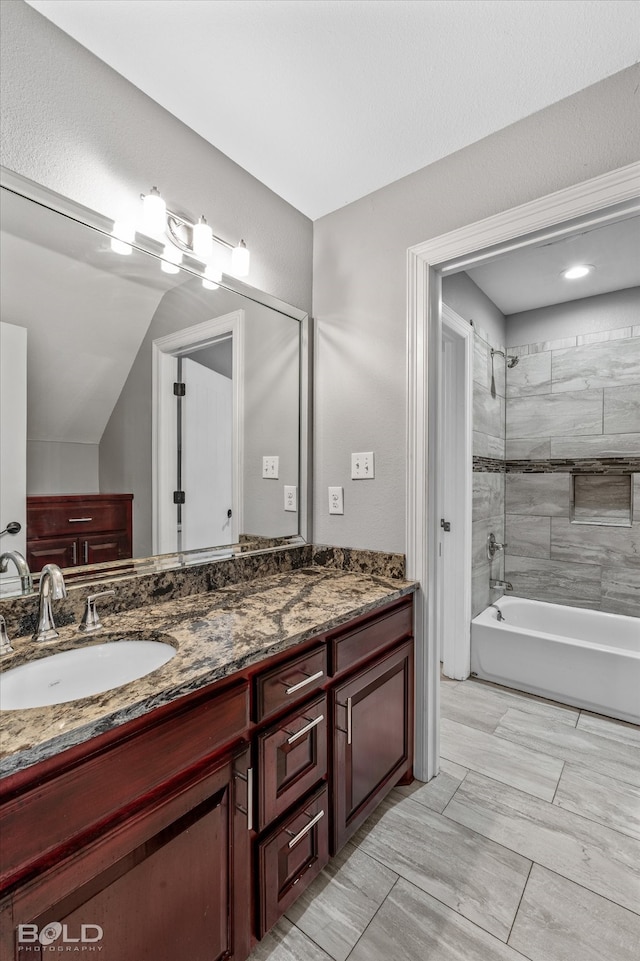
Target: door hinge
{"points": [[179, 389], [179, 497], [445, 525]]}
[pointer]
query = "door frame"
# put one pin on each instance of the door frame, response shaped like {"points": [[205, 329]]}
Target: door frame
{"points": [[165, 352], [456, 650], [597, 201]]}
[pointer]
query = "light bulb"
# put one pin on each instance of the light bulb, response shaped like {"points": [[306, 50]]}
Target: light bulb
{"points": [[575, 273], [202, 240], [154, 214], [240, 260], [123, 231], [211, 277], [171, 259]]}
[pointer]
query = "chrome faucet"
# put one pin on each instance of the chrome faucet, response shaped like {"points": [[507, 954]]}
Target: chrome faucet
{"points": [[501, 616], [497, 585], [52, 587], [26, 581], [5, 643]]}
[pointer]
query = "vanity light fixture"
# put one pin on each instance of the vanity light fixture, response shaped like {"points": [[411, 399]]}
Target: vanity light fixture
{"points": [[211, 277], [578, 271], [171, 259], [122, 236], [195, 239]]}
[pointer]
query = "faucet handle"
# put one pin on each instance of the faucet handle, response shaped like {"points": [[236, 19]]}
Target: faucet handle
{"points": [[5, 643], [90, 619]]}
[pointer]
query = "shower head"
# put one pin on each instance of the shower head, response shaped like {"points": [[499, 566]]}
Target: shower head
{"points": [[512, 360]]}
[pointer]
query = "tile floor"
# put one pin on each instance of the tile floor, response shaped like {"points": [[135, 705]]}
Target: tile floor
{"points": [[526, 845]]}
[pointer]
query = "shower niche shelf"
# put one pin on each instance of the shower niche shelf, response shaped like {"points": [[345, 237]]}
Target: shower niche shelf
{"points": [[605, 500]]}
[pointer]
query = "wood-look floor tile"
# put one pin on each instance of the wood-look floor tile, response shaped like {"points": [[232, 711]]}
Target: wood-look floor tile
{"points": [[609, 727], [600, 798], [521, 767], [481, 880], [412, 926], [590, 854], [437, 792], [562, 921], [338, 906], [285, 942], [610, 757], [465, 710]]}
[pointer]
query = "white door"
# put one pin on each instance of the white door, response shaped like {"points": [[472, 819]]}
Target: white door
{"points": [[13, 444], [207, 450]]}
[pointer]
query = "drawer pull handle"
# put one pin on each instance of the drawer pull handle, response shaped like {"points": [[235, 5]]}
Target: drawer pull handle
{"points": [[307, 680], [305, 730], [248, 777], [305, 830], [349, 720], [80, 520]]}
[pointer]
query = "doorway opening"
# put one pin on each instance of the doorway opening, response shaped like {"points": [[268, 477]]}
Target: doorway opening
{"points": [[197, 451]]}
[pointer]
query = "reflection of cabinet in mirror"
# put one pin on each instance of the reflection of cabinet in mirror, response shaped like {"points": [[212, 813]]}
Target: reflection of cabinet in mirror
{"points": [[75, 529]]}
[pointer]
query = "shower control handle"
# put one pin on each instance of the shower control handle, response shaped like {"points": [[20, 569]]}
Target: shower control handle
{"points": [[493, 546]]}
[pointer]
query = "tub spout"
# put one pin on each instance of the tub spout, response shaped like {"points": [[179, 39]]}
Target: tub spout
{"points": [[501, 616], [500, 585]]}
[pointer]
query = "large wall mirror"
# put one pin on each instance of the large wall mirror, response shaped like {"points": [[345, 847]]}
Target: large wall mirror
{"points": [[126, 385]]}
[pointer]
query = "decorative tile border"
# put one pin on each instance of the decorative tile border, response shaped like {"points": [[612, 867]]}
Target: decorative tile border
{"points": [[565, 465], [493, 465]]}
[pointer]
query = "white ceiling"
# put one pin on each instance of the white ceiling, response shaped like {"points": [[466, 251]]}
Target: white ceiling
{"points": [[325, 101]]}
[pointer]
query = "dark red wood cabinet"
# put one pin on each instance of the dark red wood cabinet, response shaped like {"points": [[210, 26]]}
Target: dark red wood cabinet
{"points": [[186, 834], [71, 530]]}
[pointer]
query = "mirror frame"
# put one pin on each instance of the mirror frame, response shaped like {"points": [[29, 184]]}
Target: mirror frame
{"points": [[31, 190]]}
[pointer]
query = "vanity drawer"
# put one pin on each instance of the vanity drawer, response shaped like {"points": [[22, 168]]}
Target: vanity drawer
{"points": [[291, 857], [289, 683], [353, 647], [48, 516], [292, 757]]}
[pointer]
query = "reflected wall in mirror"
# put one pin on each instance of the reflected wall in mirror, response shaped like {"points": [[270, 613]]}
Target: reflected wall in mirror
{"points": [[93, 343]]}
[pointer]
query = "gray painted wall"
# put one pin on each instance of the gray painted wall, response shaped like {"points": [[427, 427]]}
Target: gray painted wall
{"points": [[590, 315], [360, 286], [72, 123], [464, 296], [61, 468]]}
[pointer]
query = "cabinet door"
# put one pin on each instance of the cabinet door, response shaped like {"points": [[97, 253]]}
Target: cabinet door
{"points": [[63, 551], [372, 738], [102, 548], [181, 892]]}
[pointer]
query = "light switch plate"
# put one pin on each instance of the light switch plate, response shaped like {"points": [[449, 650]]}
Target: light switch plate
{"points": [[271, 467], [336, 500], [290, 498], [362, 466]]}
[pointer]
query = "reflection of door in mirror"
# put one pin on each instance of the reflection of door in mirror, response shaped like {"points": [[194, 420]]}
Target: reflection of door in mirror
{"points": [[13, 442]]}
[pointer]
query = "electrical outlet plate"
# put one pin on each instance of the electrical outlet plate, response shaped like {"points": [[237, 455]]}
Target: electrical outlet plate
{"points": [[290, 498], [336, 500], [362, 466], [271, 467]]}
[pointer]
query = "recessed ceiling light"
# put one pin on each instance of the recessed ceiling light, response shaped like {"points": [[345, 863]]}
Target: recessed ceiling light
{"points": [[575, 273]]}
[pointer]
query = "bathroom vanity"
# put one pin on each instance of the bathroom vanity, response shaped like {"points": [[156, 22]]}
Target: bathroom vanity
{"points": [[187, 823]]}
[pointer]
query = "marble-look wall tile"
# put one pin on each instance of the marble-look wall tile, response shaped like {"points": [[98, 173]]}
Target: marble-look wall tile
{"points": [[602, 499], [486, 445], [551, 415], [532, 375], [622, 409], [636, 498], [560, 343], [480, 530], [488, 412], [594, 366], [540, 494], [621, 590], [521, 351], [528, 448], [528, 536], [488, 494], [481, 362], [602, 445], [635, 331], [583, 543], [601, 336], [575, 585]]}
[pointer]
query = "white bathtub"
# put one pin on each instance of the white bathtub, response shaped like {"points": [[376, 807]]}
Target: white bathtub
{"points": [[585, 658]]}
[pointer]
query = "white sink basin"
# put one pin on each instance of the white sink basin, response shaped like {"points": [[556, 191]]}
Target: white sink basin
{"points": [[82, 672]]}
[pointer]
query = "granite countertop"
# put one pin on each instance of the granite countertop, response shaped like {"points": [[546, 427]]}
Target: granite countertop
{"points": [[216, 634]]}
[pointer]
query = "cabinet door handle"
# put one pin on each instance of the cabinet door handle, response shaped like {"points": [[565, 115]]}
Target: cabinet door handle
{"points": [[74, 553], [301, 684], [80, 520], [305, 730], [86, 552], [306, 829], [349, 720], [248, 777]]}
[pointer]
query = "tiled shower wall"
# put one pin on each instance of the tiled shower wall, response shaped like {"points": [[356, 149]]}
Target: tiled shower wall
{"points": [[488, 467], [573, 405]]}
